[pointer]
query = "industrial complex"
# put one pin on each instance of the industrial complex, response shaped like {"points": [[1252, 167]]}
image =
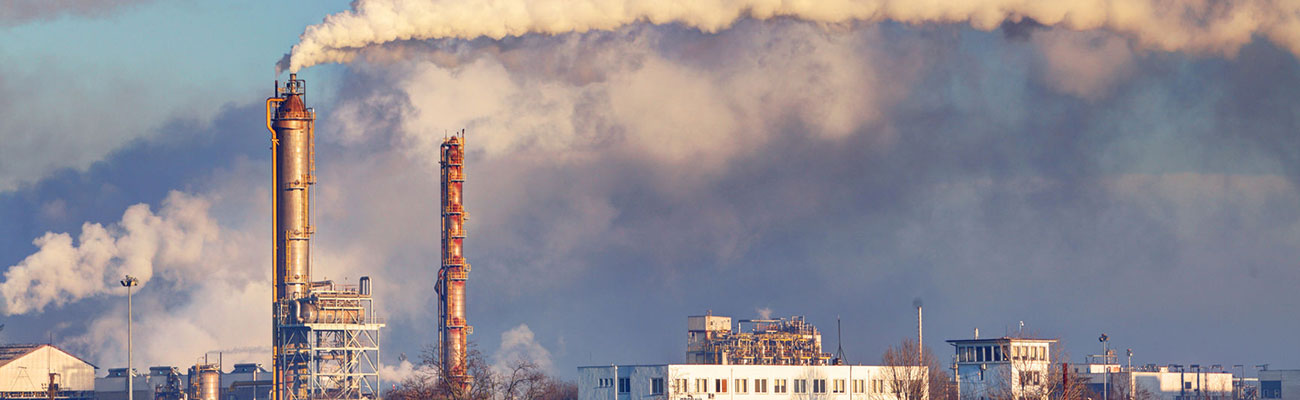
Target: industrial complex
{"points": [[325, 338]]}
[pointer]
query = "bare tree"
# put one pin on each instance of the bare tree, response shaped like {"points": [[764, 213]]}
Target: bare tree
{"points": [[522, 380], [932, 382]]}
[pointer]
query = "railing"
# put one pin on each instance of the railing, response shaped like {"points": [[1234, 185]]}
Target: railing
{"points": [[295, 114]]}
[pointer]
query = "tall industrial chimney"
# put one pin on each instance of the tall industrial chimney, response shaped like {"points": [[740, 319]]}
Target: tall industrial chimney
{"points": [[292, 127], [452, 327], [920, 336]]}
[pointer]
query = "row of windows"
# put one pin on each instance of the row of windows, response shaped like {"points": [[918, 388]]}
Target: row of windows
{"points": [[779, 386], [1001, 353], [624, 384]]}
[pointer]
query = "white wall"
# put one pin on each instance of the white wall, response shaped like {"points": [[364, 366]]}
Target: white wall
{"points": [[30, 373], [589, 387]]}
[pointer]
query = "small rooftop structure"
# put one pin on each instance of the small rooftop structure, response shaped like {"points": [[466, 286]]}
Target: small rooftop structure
{"points": [[711, 340]]}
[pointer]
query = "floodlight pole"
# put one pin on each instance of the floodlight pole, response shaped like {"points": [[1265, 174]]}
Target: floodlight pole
{"points": [[129, 282]]}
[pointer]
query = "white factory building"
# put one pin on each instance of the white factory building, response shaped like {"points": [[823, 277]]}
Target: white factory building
{"points": [[1003, 367], [743, 382], [1283, 384], [1157, 382], [27, 370]]}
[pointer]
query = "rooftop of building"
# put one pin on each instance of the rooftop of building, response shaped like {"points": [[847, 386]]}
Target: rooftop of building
{"points": [[11, 352], [1003, 339]]}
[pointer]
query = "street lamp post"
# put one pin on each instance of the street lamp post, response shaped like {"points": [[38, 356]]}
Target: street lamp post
{"points": [[1105, 356], [129, 282]]}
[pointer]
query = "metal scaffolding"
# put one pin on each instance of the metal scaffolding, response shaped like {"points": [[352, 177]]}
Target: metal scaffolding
{"points": [[332, 347], [770, 342]]}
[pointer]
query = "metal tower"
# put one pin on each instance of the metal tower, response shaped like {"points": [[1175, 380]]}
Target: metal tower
{"points": [[454, 272]]}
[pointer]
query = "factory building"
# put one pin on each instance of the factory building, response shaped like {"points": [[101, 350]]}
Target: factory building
{"points": [[1156, 382], [1279, 384], [203, 381], [776, 358], [1003, 367], [147, 386], [715, 381], [42, 371], [710, 339]]}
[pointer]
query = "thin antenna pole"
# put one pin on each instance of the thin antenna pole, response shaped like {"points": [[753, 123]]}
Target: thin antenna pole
{"points": [[839, 337]]}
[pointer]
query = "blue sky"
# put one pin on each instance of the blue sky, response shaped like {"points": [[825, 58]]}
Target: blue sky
{"points": [[1079, 181]]}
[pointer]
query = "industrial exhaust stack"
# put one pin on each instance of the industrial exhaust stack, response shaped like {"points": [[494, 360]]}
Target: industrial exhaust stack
{"points": [[454, 272], [325, 337]]}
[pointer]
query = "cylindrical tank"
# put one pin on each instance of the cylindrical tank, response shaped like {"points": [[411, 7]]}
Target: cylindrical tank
{"points": [[294, 146], [204, 382]]}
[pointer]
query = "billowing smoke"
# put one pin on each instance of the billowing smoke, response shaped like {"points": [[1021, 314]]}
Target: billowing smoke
{"points": [[1192, 25], [63, 271], [520, 345]]}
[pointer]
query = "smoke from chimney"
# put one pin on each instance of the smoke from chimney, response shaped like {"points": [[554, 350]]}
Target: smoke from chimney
{"points": [[1197, 26]]}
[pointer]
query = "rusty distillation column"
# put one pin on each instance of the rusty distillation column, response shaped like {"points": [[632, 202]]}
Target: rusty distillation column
{"points": [[452, 327], [292, 125]]}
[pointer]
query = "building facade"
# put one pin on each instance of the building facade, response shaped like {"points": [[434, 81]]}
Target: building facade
{"points": [[1003, 367], [1283, 384], [756, 382], [42, 371], [1154, 382]]}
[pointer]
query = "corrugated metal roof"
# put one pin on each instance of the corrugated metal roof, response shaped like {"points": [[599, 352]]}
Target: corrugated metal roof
{"points": [[10, 352]]}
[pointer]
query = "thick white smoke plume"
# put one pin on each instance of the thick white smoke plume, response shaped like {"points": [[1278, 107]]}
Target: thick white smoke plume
{"points": [[1189, 25], [62, 272]]}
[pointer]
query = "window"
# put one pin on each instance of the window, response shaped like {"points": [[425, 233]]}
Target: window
{"points": [[679, 385], [720, 385], [742, 385], [877, 386], [1031, 377], [624, 385], [801, 386], [997, 353], [656, 385], [1270, 389], [859, 386], [760, 386], [838, 386], [606, 382], [819, 386], [778, 385], [702, 385]]}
